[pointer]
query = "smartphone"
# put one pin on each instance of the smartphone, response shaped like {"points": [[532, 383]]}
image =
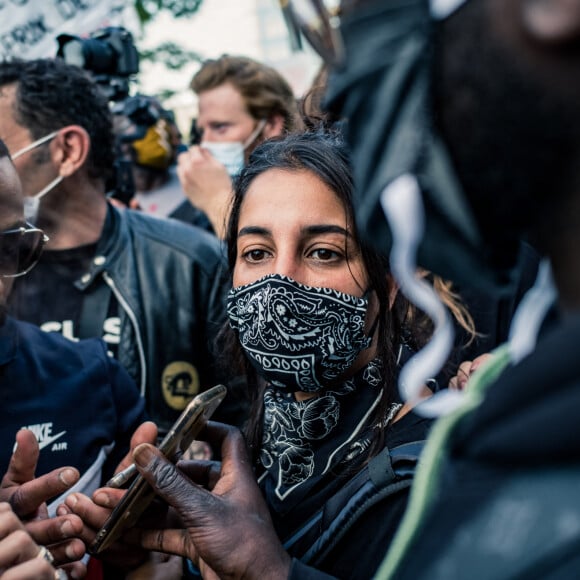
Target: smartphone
{"points": [[175, 443]]}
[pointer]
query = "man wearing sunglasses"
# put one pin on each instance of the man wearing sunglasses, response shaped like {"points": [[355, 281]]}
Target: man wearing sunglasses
{"points": [[77, 405], [152, 289], [464, 124]]}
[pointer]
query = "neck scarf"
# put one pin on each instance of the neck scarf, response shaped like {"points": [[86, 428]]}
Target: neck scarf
{"points": [[307, 444]]}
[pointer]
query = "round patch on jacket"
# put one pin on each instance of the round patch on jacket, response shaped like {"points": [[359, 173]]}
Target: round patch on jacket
{"points": [[180, 382]]}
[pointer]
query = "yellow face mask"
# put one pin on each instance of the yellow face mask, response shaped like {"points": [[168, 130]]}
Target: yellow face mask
{"points": [[154, 150]]}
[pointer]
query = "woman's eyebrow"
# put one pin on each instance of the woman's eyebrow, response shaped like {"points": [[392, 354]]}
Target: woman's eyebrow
{"points": [[311, 230], [326, 229], [254, 230]]}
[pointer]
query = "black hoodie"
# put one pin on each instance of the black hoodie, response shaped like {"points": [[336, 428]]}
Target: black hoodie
{"points": [[508, 502]]}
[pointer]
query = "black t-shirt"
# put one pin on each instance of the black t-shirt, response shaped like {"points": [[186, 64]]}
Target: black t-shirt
{"points": [[47, 295]]}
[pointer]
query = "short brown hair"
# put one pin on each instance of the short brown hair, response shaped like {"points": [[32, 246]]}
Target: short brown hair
{"points": [[264, 90]]}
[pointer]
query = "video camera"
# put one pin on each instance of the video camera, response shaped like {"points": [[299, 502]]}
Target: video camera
{"points": [[109, 54], [111, 57]]}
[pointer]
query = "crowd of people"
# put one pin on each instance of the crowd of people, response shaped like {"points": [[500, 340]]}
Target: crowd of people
{"points": [[316, 255]]}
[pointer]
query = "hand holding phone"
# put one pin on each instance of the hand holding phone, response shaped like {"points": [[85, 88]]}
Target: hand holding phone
{"points": [[140, 494]]}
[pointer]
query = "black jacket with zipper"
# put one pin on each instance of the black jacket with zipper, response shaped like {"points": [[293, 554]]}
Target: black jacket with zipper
{"points": [[168, 283]]}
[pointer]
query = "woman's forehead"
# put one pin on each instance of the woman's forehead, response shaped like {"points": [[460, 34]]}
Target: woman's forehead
{"points": [[281, 195]]}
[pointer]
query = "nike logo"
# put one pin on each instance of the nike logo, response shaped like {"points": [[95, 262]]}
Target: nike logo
{"points": [[47, 442]]}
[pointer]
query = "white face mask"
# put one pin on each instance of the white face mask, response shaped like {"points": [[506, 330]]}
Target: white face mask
{"points": [[231, 154], [32, 203]]}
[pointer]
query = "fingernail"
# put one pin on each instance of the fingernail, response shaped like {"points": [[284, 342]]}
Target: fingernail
{"points": [[101, 499], [71, 553], [67, 476], [143, 455], [67, 529], [72, 500]]}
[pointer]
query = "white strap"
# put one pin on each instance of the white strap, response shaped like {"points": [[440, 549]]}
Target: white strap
{"points": [[403, 208], [441, 9], [531, 313]]}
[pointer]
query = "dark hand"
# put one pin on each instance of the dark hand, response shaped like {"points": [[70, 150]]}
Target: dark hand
{"points": [[145, 433], [228, 531]]}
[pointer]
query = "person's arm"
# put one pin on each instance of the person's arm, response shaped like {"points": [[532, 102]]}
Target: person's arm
{"points": [[226, 532]]}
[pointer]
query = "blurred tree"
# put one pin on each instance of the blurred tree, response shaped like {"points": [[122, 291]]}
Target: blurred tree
{"points": [[170, 54], [148, 9]]}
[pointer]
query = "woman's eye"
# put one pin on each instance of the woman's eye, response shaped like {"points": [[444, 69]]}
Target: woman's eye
{"points": [[254, 255], [324, 254]]}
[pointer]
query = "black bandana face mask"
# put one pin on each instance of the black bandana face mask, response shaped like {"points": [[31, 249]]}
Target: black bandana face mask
{"points": [[384, 92], [299, 338]]}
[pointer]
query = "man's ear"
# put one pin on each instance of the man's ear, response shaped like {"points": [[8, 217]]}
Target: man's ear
{"points": [[552, 21], [70, 149], [274, 127]]}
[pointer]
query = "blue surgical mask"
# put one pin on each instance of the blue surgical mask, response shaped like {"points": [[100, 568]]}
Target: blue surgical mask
{"points": [[232, 154], [229, 153]]}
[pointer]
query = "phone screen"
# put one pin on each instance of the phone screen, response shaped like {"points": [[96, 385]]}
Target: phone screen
{"points": [[140, 493]]}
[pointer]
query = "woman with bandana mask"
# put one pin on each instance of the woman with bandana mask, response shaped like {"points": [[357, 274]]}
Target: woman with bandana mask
{"points": [[319, 329], [319, 326]]}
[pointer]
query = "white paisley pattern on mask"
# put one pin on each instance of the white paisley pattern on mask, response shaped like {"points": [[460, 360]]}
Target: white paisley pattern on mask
{"points": [[304, 440], [300, 338]]}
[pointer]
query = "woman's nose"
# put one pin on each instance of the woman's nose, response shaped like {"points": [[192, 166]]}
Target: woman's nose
{"points": [[295, 269], [287, 265]]}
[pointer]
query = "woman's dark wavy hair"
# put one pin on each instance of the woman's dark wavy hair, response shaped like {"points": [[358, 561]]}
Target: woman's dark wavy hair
{"points": [[51, 94], [324, 154]]}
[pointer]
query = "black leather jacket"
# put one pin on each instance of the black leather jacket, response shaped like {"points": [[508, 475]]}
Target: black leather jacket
{"points": [[170, 283]]}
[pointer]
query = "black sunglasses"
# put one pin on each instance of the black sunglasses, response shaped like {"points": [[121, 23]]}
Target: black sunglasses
{"points": [[319, 22], [20, 249]]}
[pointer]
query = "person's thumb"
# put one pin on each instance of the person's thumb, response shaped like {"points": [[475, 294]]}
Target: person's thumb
{"points": [[194, 504]]}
